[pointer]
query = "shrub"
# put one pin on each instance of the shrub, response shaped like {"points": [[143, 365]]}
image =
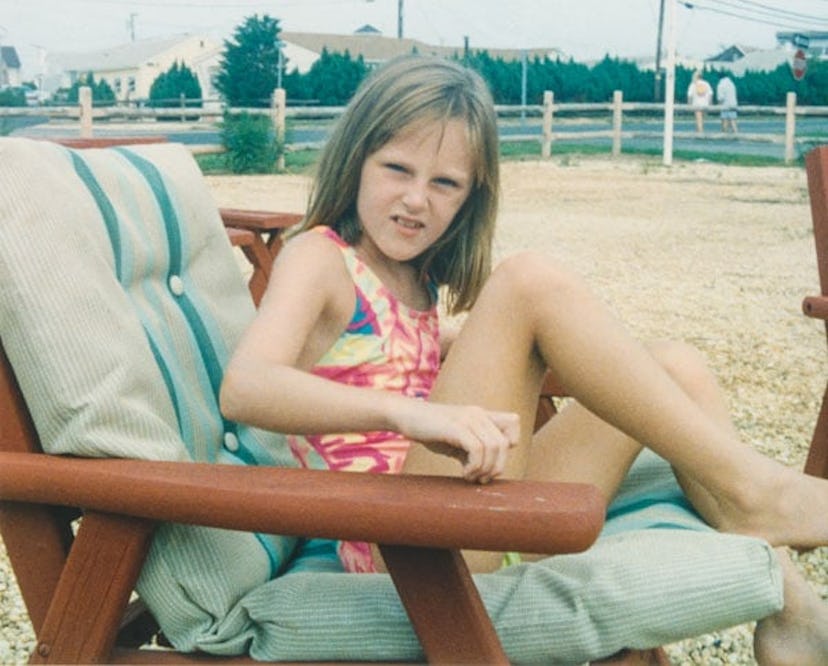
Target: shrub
{"points": [[169, 86], [13, 97], [250, 142]]}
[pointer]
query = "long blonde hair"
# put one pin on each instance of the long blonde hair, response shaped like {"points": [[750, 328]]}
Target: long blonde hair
{"points": [[404, 92]]}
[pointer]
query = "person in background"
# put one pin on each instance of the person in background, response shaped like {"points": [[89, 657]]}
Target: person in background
{"points": [[699, 96], [726, 97]]}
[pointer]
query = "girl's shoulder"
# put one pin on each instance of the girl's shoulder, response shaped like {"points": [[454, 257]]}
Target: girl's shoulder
{"points": [[311, 252], [315, 241]]}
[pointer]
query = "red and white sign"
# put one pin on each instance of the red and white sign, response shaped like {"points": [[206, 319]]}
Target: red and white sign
{"points": [[800, 64]]}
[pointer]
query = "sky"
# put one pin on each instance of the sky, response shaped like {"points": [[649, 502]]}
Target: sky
{"points": [[585, 29]]}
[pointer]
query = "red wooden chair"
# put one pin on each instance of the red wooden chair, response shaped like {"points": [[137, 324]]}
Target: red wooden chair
{"points": [[817, 306], [77, 530]]}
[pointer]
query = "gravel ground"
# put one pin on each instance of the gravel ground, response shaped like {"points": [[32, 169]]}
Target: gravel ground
{"points": [[718, 256]]}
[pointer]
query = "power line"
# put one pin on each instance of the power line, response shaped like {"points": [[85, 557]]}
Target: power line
{"points": [[714, 10], [773, 12]]}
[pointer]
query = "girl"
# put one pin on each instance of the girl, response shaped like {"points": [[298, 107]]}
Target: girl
{"points": [[404, 205]]}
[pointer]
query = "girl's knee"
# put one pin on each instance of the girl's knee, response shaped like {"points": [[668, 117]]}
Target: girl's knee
{"points": [[683, 361], [532, 273]]}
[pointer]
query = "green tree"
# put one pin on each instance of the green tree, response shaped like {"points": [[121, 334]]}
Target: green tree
{"points": [[297, 86], [12, 97], [169, 86], [334, 77], [101, 90], [248, 71]]}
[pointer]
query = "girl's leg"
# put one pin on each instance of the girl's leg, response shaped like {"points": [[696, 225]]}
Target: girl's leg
{"points": [[798, 634], [533, 314]]}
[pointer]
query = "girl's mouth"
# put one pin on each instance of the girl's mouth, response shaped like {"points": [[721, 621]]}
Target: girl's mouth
{"points": [[408, 223]]}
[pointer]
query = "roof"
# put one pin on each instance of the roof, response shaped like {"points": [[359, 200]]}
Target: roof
{"points": [[372, 47], [8, 55], [732, 53], [759, 61], [124, 56], [810, 34], [376, 48]]}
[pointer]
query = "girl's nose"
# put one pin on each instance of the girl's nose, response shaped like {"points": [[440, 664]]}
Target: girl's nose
{"points": [[415, 196]]}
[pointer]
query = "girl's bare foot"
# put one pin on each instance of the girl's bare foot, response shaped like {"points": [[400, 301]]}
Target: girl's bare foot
{"points": [[798, 634]]}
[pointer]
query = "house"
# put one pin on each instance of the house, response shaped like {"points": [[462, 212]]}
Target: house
{"points": [[131, 69], [9, 67], [817, 42], [756, 61], [302, 49], [730, 54]]}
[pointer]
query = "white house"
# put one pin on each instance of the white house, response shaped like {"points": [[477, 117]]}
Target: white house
{"points": [[9, 67], [302, 49], [131, 68], [817, 42]]}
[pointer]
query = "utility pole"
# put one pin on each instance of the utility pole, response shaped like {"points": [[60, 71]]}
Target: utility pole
{"points": [[131, 24], [657, 91], [399, 19], [523, 82], [670, 84]]}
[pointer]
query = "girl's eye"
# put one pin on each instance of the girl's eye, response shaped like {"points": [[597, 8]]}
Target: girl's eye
{"points": [[447, 182], [393, 166]]}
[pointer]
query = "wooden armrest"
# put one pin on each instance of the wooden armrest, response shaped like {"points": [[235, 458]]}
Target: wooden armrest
{"points": [[240, 237], [258, 220], [106, 141], [436, 512], [815, 306]]}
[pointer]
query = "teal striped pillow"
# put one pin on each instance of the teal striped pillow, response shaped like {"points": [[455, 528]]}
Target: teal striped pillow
{"points": [[120, 301]]}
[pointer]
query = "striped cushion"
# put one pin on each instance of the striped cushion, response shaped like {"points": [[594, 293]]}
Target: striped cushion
{"points": [[120, 302]]}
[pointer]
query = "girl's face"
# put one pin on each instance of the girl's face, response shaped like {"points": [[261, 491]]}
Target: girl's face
{"points": [[411, 189]]}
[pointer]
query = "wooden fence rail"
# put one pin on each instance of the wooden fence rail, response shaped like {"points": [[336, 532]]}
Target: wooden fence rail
{"points": [[549, 112]]}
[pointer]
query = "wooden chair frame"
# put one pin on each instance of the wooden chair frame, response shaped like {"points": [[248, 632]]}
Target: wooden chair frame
{"points": [[816, 165], [77, 575]]}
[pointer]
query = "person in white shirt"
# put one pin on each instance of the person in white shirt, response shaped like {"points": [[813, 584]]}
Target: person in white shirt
{"points": [[699, 96], [728, 100]]}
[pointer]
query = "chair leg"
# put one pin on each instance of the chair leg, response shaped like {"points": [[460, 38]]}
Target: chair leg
{"points": [[82, 622], [817, 462], [444, 605]]}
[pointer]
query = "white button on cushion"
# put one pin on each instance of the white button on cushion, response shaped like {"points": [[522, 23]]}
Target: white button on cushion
{"points": [[231, 442], [176, 285]]}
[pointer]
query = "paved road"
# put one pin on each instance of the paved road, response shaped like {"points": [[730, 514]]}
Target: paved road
{"points": [[813, 129]]}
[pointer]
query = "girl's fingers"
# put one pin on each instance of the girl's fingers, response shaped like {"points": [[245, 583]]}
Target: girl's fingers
{"points": [[488, 447]]}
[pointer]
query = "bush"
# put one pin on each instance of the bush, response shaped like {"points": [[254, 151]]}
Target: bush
{"points": [[101, 90], [250, 142], [168, 88], [13, 97]]}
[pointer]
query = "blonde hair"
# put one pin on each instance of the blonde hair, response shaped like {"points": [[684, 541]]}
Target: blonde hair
{"points": [[403, 93]]}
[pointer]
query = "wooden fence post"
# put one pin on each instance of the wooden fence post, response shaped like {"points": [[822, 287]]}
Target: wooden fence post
{"points": [[617, 101], [278, 105], [85, 111], [790, 126], [546, 144]]}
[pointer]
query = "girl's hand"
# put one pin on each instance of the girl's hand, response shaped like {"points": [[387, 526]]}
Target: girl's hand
{"points": [[479, 438]]}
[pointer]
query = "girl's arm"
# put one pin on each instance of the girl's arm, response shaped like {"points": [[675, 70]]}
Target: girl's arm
{"points": [[308, 303], [448, 334]]}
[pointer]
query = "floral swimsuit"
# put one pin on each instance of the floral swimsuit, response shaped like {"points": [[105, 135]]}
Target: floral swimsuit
{"points": [[389, 346]]}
